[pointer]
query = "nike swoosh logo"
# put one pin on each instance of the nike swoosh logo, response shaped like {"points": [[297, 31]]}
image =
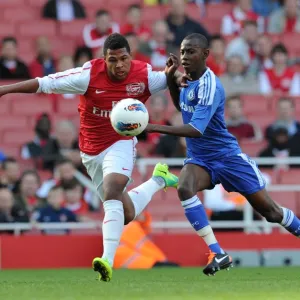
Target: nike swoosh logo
{"points": [[108, 221], [221, 259], [125, 169], [99, 92]]}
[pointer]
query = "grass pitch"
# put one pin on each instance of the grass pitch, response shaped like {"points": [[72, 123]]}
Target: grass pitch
{"points": [[81, 284]]}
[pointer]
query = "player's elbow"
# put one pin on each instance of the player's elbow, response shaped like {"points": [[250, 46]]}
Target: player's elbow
{"points": [[194, 133]]}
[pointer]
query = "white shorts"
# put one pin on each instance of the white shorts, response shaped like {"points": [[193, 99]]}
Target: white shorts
{"points": [[118, 158]]}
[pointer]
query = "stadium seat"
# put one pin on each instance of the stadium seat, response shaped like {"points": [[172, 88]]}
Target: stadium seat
{"points": [[72, 29], [255, 104], [291, 176], [67, 107], [194, 12], [4, 106], [38, 28], [12, 3], [20, 14], [17, 137], [37, 3], [152, 14], [26, 46], [13, 122], [252, 148], [62, 47], [31, 105], [7, 29], [212, 25], [286, 199], [218, 10], [288, 39], [272, 174], [262, 119], [10, 150]]}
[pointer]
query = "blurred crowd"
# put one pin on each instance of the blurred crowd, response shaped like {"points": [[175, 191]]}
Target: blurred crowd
{"points": [[247, 53]]}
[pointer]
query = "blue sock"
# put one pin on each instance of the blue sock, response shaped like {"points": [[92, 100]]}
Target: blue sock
{"points": [[290, 222], [195, 213]]}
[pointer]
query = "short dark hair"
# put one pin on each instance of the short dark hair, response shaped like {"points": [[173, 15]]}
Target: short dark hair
{"points": [[133, 6], [31, 172], [71, 184], [7, 161], [9, 39], [234, 98], [200, 38], [115, 41], [55, 188], [249, 23], [279, 48], [83, 50], [286, 99], [102, 12], [62, 161]]}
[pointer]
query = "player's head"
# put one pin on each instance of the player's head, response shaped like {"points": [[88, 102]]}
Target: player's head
{"points": [[103, 21], [194, 52], [117, 56], [9, 48]]}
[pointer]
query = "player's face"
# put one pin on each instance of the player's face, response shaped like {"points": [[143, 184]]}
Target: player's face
{"points": [[192, 56], [118, 63]]}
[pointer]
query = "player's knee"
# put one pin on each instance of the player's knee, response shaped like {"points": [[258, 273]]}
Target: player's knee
{"points": [[273, 215], [113, 192], [128, 216], [185, 192]]}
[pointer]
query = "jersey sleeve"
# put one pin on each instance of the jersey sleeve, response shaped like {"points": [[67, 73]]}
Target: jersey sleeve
{"points": [[209, 98], [73, 81], [157, 81]]}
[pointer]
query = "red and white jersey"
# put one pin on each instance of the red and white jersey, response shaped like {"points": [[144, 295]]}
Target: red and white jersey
{"points": [[288, 82], [93, 39], [98, 96], [233, 23]]}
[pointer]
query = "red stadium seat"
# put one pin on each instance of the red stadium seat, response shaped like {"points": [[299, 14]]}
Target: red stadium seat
{"points": [[7, 29], [152, 14], [218, 10], [4, 106], [17, 137], [62, 47], [291, 176], [20, 14], [26, 46], [72, 29], [255, 104], [67, 107], [194, 12], [10, 150], [286, 199], [38, 28], [31, 105], [288, 39], [12, 3], [263, 120], [273, 174], [13, 122], [37, 3], [252, 148], [212, 25]]}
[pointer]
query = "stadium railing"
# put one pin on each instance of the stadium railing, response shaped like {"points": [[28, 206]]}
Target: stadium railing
{"points": [[248, 223]]}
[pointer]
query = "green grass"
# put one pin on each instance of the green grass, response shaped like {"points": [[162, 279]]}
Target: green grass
{"points": [[81, 284]]}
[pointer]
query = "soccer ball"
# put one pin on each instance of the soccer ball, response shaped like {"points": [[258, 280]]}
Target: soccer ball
{"points": [[129, 117]]}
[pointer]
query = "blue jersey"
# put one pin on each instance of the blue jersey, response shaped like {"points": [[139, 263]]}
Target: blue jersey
{"points": [[202, 106]]}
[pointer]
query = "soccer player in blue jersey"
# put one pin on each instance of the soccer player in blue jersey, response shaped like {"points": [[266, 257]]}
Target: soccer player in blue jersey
{"points": [[213, 154]]}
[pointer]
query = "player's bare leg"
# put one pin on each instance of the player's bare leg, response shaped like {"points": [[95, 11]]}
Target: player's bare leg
{"points": [[274, 213], [192, 179]]}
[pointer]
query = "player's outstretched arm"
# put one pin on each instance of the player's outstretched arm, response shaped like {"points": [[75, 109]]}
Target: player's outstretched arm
{"points": [[186, 130], [29, 86]]}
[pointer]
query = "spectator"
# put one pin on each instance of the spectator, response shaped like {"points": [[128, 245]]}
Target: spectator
{"points": [[27, 198], [64, 144], [44, 64], [33, 149], [10, 173], [172, 146], [82, 55], [244, 45], [54, 212], [63, 10], [134, 42], [236, 80], [180, 24], [262, 59], [64, 171], [134, 23], [216, 59], [10, 66], [278, 147], [73, 195], [10, 213], [280, 78], [158, 47], [285, 19], [95, 34], [236, 122], [285, 119], [233, 23]]}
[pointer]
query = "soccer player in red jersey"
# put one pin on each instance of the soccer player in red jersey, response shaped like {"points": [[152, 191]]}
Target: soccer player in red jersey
{"points": [[108, 157]]}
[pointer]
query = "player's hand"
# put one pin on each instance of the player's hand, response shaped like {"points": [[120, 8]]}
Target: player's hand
{"points": [[149, 128], [183, 80], [172, 65]]}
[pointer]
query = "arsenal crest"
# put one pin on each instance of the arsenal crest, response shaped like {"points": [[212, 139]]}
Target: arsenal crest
{"points": [[135, 89]]}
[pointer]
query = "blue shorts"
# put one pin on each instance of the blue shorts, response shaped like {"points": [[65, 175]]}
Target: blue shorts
{"points": [[238, 173]]}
